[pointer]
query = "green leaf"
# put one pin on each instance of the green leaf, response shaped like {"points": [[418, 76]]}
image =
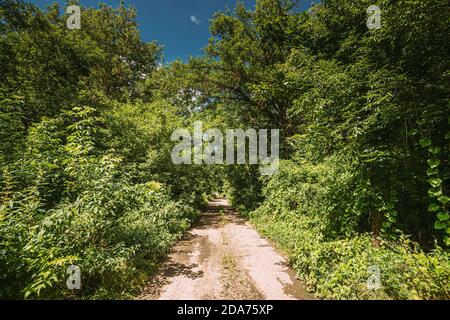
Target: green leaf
{"points": [[434, 163], [432, 172], [447, 136], [433, 207], [447, 241], [435, 182], [439, 225], [443, 216], [434, 193], [444, 200], [425, 143], [434, 150]]}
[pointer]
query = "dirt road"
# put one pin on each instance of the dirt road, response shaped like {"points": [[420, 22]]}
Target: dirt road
{"points": [[223, 257]]}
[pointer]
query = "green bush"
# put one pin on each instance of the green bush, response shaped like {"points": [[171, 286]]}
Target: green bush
{"points": [[297, 214], [73, 206]]}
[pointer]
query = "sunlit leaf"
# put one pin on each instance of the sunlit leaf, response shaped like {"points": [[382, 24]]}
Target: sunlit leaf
{"points": [[425, 143], [444, 200], [440, 225], [434, 163], [443, 216], [432, 172], [434, 193], [434, 150], [435, 182], [433, 207]]}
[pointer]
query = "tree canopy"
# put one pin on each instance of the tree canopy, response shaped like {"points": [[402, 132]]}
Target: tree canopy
{"points": [[86, 118]]}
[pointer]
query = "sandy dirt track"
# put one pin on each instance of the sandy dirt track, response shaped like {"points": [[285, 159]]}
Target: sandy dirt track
{"points": [[223, 257]]}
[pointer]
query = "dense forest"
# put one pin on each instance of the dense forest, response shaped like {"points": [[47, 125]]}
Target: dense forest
{"points": [[86, 118]]}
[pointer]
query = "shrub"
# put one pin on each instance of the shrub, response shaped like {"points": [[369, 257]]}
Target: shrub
{"points": [[297, 215], [98, 219]]}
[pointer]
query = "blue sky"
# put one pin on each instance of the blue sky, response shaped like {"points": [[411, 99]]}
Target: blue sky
{"points": [[180, 25]]}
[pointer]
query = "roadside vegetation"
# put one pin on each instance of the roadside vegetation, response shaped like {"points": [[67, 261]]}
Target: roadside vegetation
{"points": [[86, 118]]}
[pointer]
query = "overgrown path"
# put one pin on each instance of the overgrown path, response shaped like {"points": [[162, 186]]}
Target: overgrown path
{"points": [[223, 257]]}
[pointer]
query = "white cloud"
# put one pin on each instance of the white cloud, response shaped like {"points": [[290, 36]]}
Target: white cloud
{"points": [[195, 20]]}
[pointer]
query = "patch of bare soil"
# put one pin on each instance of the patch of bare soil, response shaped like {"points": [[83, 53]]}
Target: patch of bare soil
{"points": [[223, 257]]}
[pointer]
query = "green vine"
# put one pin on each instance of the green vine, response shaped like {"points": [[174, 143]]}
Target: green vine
{"points": [[439, 201]]}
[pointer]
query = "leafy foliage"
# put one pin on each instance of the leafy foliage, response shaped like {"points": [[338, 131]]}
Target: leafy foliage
{"points": [[84, 176], [86, 118], [314, 212], [354, 106]]}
